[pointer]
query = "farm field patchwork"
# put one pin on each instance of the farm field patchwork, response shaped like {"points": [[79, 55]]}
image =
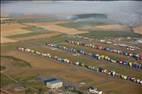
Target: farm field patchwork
{"points": [[58, 28]]}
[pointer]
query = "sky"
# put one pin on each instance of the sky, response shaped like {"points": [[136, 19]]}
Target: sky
{"points": [[129, 12]]}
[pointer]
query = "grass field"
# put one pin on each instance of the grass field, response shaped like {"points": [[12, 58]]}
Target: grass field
{"points": [[25, 68], [42, 67], [58, 28], [34, 20], [19, 27], [5, 80], [110, 34], [27, 35], [81, 24], [101, 63], [32, 32], [16, 61], [35, 29]]}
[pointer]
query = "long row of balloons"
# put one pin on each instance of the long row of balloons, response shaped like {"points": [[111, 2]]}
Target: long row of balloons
{"points": [[98, 56], [112, 50], [80, 64], [123, 45]]}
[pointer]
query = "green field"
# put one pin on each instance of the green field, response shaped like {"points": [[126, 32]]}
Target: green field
{"points": [[34, 33], [35, 29], [5, 80], [79, 25], [34, 20], [28, 20], [110, 34], [104, 64]]}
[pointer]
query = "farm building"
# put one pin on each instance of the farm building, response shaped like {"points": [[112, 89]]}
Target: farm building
{"points": [[53, 83]]}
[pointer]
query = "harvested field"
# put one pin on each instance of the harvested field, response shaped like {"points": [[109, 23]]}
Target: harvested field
{"points": [[138, 29], [13, 32], [7, 40], [11, 29]]}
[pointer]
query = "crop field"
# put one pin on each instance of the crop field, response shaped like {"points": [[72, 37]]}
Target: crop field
{"points": [[98, 29], [94, 25], [57, 28], [110, 34], [34, 19], [21, 68], [13, 32], [80, 24], [11, 29]]}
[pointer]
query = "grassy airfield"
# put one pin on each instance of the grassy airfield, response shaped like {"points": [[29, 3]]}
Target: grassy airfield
{"points": [[23, 69]]}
